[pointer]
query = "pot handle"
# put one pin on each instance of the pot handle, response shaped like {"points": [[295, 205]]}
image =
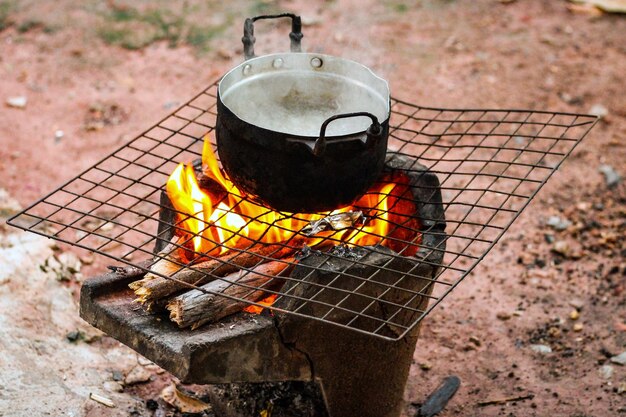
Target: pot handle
{"points": [[249, 39], [374, 131]]}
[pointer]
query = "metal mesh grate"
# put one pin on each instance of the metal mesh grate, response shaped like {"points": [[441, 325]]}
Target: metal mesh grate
{"points": [[490, 164]]}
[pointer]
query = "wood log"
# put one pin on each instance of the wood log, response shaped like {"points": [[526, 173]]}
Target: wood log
{"points": [[168, 262], [167, 221], [156, 288], [195, 308]]}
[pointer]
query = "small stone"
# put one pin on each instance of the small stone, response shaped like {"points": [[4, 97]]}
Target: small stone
{"points": [[606, 371], [583, 206], [573, 250], [58, 135], [18, 102], [152, 405], [574, 315], [621, 388], [578, 327], [74, 336], [558, 224], [570, 99], [137, 375], [599, 110], [611, 177], [561, 247], [113, 386], [503, 316], [475, 340], [543, 349], [619, 359], [425, 366], [577, 303], [567, 98]]}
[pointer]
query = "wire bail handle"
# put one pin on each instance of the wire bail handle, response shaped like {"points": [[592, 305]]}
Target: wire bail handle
{"points": [[248, 33]]}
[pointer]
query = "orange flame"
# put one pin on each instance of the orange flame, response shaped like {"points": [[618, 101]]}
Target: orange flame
{"points": [[217, 221], [266, 302]]}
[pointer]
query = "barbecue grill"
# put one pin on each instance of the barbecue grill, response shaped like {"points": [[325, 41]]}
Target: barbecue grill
{"points": [[480, 167]]}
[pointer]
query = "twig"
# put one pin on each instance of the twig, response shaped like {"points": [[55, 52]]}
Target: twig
{"points": [[131, 271], [506, 400]]}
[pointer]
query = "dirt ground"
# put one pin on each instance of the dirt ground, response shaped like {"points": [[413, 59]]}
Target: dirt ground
{"points": [[94, 74]]}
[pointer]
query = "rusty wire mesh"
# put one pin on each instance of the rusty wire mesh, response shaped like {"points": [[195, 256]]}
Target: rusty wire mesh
{"points": [[489, 163]]}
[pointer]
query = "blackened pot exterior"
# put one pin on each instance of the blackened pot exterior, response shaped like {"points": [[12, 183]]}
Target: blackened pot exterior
{"points": [[282, 172]]}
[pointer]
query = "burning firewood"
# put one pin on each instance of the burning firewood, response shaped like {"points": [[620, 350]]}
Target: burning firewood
{"points": [[153, 288], [206, 208], [168, 262], [195, 308]]}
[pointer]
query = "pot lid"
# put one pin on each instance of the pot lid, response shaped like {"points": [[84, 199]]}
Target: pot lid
{"points": [[295, 93]]}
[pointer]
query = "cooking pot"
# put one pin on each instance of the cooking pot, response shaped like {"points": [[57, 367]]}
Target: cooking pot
{"points": [[301, 132]]}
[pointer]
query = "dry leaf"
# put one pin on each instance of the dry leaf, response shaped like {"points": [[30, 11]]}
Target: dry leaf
{"points": [[181, 401], [610, 6], [587, 9]]}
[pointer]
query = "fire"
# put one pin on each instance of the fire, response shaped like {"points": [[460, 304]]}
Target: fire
{"points": [[215, 225], [266, 302], [216, 222]]}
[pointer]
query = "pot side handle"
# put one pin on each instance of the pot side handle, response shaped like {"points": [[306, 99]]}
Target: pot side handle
{"points": [[249, 39], [373, 132]]}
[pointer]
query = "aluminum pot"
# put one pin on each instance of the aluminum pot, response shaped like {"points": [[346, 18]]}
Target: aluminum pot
{"points": [[301, 132]]}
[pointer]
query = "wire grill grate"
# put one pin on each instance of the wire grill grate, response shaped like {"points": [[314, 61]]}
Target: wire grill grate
{"points": [[490, 164]]}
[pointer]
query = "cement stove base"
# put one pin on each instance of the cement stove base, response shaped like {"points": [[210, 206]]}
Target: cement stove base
{"points": [[355, 371]]}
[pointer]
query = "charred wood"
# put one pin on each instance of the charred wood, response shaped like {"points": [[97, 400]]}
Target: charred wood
{"points": [[155, 288], [195, 308]]}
